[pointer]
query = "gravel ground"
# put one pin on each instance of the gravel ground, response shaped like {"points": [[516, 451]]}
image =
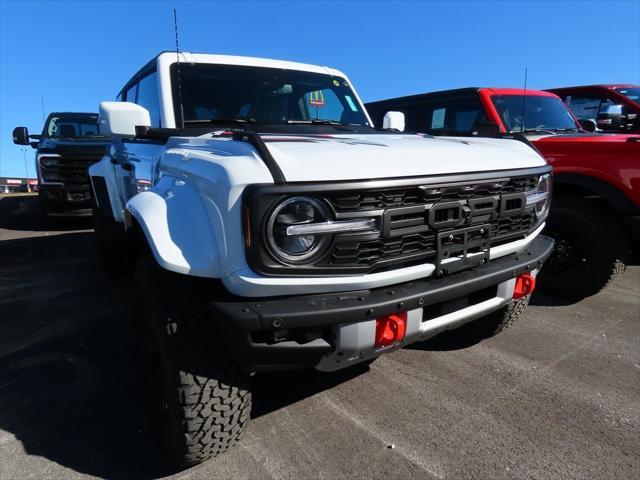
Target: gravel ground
{"points": [[556, 396]]}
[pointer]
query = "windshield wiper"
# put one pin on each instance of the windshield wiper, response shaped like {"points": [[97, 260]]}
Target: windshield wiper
{"points": [[568, 129], [223, 121], [532, 130], [323, 121]]}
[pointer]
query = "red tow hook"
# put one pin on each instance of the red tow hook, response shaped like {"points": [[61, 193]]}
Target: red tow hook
{"points": [[390, 329], [525, 284]]}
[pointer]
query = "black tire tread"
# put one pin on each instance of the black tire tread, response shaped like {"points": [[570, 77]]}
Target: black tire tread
{"points": [[212, 395], [495, 322], [612, 254]]}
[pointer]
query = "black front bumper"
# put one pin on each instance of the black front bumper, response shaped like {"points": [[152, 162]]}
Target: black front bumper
{"points": [[65, 198], [278, 333]]}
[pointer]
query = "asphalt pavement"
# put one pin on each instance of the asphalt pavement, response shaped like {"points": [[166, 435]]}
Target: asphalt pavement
{"points": [[555, 396]]}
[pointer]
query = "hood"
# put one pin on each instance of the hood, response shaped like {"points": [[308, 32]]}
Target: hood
{"points": [[598, 138], [361, 157], [66, 145]]}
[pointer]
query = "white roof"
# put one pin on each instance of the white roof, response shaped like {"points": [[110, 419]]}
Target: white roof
{"points": [[188, 57]]}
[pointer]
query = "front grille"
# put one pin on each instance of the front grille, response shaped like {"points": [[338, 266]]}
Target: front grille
{"points": [[404, 197], [407, 236], [72, 168], [365, 253]]}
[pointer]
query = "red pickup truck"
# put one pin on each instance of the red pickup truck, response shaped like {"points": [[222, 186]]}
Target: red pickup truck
{"points": [[595, 213], [614, 108]]}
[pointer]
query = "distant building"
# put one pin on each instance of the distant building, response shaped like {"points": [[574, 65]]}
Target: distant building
{"points": [[17, 184]]}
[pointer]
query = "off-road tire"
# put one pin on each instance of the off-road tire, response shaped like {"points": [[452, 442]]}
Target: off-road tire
{"points": [[495, 322], [591, 250], [200, 399]]}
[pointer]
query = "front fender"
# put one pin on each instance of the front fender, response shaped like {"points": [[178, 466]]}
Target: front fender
{"points": [[178, 228]]}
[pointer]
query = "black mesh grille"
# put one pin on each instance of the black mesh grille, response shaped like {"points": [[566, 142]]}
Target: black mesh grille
{"points": [[72, 168], [414, 244]]}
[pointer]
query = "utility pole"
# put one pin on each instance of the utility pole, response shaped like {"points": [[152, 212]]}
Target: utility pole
{"points": [[26, 169]]}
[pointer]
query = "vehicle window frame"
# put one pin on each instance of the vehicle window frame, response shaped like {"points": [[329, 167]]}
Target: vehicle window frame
{"points": [[157, 97]]}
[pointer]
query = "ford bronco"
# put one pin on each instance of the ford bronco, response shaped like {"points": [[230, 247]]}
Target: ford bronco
{"points": [[280, 230]]}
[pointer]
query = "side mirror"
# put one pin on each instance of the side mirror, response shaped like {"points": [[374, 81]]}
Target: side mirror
{"points": [[589, 125], [611, 117], [21, 136], [393, 121], [122, 118]]}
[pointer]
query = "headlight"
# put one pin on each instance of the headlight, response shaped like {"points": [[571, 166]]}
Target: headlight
{"points": [[284, 242], [49, 161], [541, 198]]}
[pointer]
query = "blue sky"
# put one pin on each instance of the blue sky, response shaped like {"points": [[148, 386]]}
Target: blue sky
{"points": [[77, 53]]}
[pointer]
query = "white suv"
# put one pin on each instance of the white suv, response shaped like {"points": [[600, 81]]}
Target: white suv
{"points": [[269, 225]]}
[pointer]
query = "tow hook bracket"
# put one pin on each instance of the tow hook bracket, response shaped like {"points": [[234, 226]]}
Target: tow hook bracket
{"points": [[390, 329], [525, 284]]}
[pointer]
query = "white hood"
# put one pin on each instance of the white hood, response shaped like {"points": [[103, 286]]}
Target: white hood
{"points": [[359, 157]]}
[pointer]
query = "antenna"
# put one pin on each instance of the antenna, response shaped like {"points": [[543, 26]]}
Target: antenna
{"points": [[524, 96], [43, 115], [175, 27]]}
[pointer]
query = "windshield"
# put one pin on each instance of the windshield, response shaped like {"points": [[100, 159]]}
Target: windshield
{"points": [[540, 113], [264, 96], [72, 126], [632, 93]]}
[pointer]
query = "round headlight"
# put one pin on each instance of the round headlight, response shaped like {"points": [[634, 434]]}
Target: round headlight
{"points": [[296, 211], [544, 187]]}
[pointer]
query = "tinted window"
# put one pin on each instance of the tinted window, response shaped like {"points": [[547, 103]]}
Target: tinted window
{"points": [[148, 97], [130, 94], [584, 108], [632, 93], [72, 126], [532, 113], [452, 117]]}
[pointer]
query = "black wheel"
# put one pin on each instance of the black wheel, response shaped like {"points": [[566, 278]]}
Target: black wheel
{"points": [[495, 322], [200, 400], [110, 244], [590, 251]]}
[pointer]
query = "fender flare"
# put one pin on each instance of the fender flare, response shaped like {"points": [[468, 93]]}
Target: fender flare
{"points": [[104, 190], [608, 192], [178, 228]]}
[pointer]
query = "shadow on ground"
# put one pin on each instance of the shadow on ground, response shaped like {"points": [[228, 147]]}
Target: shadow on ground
{"points": [[70, 388], [22, 213]]}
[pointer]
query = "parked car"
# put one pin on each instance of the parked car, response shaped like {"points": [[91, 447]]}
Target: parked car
{"points": [[69, 143], [614, 108], [596, 206], [281, 230]]}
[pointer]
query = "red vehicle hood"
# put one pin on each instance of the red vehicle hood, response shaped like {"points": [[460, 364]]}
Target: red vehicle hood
{"points": [[573, 138]]}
